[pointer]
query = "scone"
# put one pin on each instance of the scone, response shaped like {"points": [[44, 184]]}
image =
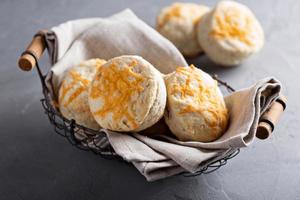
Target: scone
{"points": [[178, 23], [195, 106], [127, 94], [230, 33], [73, 93]]}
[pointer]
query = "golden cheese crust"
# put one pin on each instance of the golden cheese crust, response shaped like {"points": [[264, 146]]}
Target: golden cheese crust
{"points": [[230, 33], [125, 92], [73, 93], [178, 22], [196, 110]]}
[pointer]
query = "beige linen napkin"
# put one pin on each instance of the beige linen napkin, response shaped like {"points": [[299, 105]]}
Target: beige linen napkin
{"points": [[120, 34], [160, 156]]}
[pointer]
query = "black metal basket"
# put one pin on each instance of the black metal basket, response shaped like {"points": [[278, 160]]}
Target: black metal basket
{"points": [[88, 139]]}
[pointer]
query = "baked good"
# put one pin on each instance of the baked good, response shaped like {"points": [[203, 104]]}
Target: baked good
{"points": [[73, 93], [230, 33], [127, 94], [196, 110], [178, 22]]}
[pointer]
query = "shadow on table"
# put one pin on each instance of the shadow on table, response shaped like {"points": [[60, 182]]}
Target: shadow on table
{"points": [[111, 179]]}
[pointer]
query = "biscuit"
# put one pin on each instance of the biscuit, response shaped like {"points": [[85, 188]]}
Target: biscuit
{"points": [[127, 94], [196, 110], [178, 22], [73, 93], [230, 33]]}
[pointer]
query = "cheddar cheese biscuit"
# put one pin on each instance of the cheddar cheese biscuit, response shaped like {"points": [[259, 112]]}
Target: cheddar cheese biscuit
{"points": [[73, 93], [230, 33], [195, 107], [127, 94], [178, 22]]}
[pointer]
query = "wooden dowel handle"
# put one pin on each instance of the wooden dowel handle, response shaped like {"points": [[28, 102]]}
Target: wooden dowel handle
{"points": [[270, 118], [37, 47]]}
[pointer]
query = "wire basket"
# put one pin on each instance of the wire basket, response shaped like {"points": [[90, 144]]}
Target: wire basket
{"points": [[96, 141], [89, 141]]}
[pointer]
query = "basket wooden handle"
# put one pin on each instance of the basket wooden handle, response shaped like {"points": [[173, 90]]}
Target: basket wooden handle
{"points": [[269, 119], [37, 46]]}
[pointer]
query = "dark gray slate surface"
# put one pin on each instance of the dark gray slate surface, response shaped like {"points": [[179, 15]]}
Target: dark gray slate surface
{"points": [[35, 163]]}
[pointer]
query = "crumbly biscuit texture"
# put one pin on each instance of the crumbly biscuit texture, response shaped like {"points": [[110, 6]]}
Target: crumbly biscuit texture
{"points": [[230, 33], [73, 93], [127, 94], [196, 110], [178, 23]]}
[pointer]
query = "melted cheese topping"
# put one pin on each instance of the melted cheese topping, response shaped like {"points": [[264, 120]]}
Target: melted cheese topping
{"points": [[233, 24], [173, 12], [77, 79], [206, 100], [116, 86], [176, 11]]}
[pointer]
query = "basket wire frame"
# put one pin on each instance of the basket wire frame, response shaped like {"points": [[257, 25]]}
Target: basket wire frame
{"points": [[90, 142]]}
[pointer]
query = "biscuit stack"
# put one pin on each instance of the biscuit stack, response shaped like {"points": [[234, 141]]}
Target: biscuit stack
{"points": [[128, 94], [228, 34]]}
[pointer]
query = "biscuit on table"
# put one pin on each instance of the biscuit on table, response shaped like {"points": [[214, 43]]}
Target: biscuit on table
{"points": [[73, 93], [127, 94], [178, 22], [196, 110], [230, 33]]}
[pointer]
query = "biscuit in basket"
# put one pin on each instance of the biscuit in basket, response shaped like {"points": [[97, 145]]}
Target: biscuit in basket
{"points": [[73, 93], [178, 22], [127, 94], [230, 33], [195, 107]]}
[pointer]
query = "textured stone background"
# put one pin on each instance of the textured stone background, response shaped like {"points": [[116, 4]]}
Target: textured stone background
{"points": [[35, 163]]}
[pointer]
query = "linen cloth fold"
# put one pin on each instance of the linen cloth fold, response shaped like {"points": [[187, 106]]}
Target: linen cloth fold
{"points": [[160, 156], [156, 158]]}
